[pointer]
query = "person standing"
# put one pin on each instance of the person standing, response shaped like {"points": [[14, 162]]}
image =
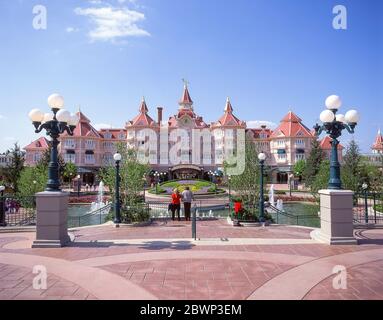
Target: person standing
{"points": [[187, 197], [176, 204]]}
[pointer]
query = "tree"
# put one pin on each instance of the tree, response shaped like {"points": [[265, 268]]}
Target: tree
{"points": [[351, 174], [32, 180], [246, 185], [70, 171], [13, 170], [131, 174], [313, 163], [321, 179], [299, 169]]}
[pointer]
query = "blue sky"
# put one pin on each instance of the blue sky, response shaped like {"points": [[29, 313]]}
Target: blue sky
{"points": [[269, 56]]}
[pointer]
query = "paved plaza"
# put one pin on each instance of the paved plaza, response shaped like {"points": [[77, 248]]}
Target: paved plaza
{"points": [[161, 261]]}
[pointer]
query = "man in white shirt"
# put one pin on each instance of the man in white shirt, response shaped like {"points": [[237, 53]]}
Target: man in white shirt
{"points": [[187, 198]]}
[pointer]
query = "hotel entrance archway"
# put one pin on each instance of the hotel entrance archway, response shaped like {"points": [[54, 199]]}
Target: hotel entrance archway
{"points": [[186, 172]]}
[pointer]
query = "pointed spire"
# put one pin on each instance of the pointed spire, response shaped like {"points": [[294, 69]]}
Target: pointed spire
{"points": [[186, 100], [228, 107], [143, 106]]}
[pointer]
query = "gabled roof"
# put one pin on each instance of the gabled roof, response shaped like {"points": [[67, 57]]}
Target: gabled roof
{"points": [[325, 144], [142, 119], [291, 126], [41, 143], [378, 145], [84, 128], [228, 118], [256, 132]]}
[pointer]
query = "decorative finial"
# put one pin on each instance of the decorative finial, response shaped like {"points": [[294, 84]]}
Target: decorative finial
{"points": [[186, 83]]}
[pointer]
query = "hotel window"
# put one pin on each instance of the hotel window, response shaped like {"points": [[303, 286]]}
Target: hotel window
{"points": [[300, 142], [263, 135], [282, 154], [36, 157], [108, 135], [90, 144], [69, 143], [280, 142], [121, 136]]}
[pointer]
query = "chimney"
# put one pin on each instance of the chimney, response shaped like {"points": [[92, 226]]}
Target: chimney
{"points": [[160, 109]]}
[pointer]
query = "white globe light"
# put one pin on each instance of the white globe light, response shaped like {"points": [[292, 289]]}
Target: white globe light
{"points": [[48, 117], [262, 157], [73, 120], [327, 116], [352, 116], [56, 101], [340, 118], [36, 115], [333, 102], [63, 116], [117, 157]]}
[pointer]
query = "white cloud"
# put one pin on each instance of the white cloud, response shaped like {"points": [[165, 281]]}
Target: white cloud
{"points": [[255, 124], [100, 126], [113, 23], [71, 29], [2, 117]]}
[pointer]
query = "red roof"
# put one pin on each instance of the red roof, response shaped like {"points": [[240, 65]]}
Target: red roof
{"points": [[378, 145], [114, 133], [291, 126], [228, 118], [325, 144], [257, 132], [185, 99], [142, 119], [41, 143], [84, 128]]}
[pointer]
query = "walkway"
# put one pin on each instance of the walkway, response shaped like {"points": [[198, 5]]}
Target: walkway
{"points": [[162, 262]]}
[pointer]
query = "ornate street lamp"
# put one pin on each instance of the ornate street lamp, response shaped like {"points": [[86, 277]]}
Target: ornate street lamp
{"points": [[229, 183], [333, 124], [55, 124], [117, 209], [261, 158]]}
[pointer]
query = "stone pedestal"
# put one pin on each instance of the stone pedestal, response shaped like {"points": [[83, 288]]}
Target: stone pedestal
{"points": [[337, 226], [51, 225]]}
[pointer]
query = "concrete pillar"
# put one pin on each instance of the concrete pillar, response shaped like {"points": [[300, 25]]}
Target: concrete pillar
{"points": [[336, 210], [51, 225]]}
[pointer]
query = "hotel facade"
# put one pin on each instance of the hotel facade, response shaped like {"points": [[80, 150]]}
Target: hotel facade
{"points": [[90, 149]]}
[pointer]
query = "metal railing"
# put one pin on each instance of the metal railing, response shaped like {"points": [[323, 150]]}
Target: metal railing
{"points": [[368, 208], [283, 217], [96, 217], [17, 210]]}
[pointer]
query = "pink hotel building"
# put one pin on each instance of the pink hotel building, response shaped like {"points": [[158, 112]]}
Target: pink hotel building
{"points": [[91, 149]]}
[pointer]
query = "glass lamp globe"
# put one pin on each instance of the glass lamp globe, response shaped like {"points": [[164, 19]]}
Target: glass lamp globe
{"points": [[2, 188], [340, 118], [117, 157], [56, 101], [333, 102], [262, 157], [63, 116], [327, 116], [36, 115], [352, 116], [73, 120], [48, 117]]}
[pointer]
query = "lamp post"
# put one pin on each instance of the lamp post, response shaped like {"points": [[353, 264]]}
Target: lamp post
{"points": [[78, 186], [157, 177], [365, 188], [333, 124], [144, 181], [291, 176], [2, 211], [229, 185], [55, 124], [261, 158], [117, 219]]}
